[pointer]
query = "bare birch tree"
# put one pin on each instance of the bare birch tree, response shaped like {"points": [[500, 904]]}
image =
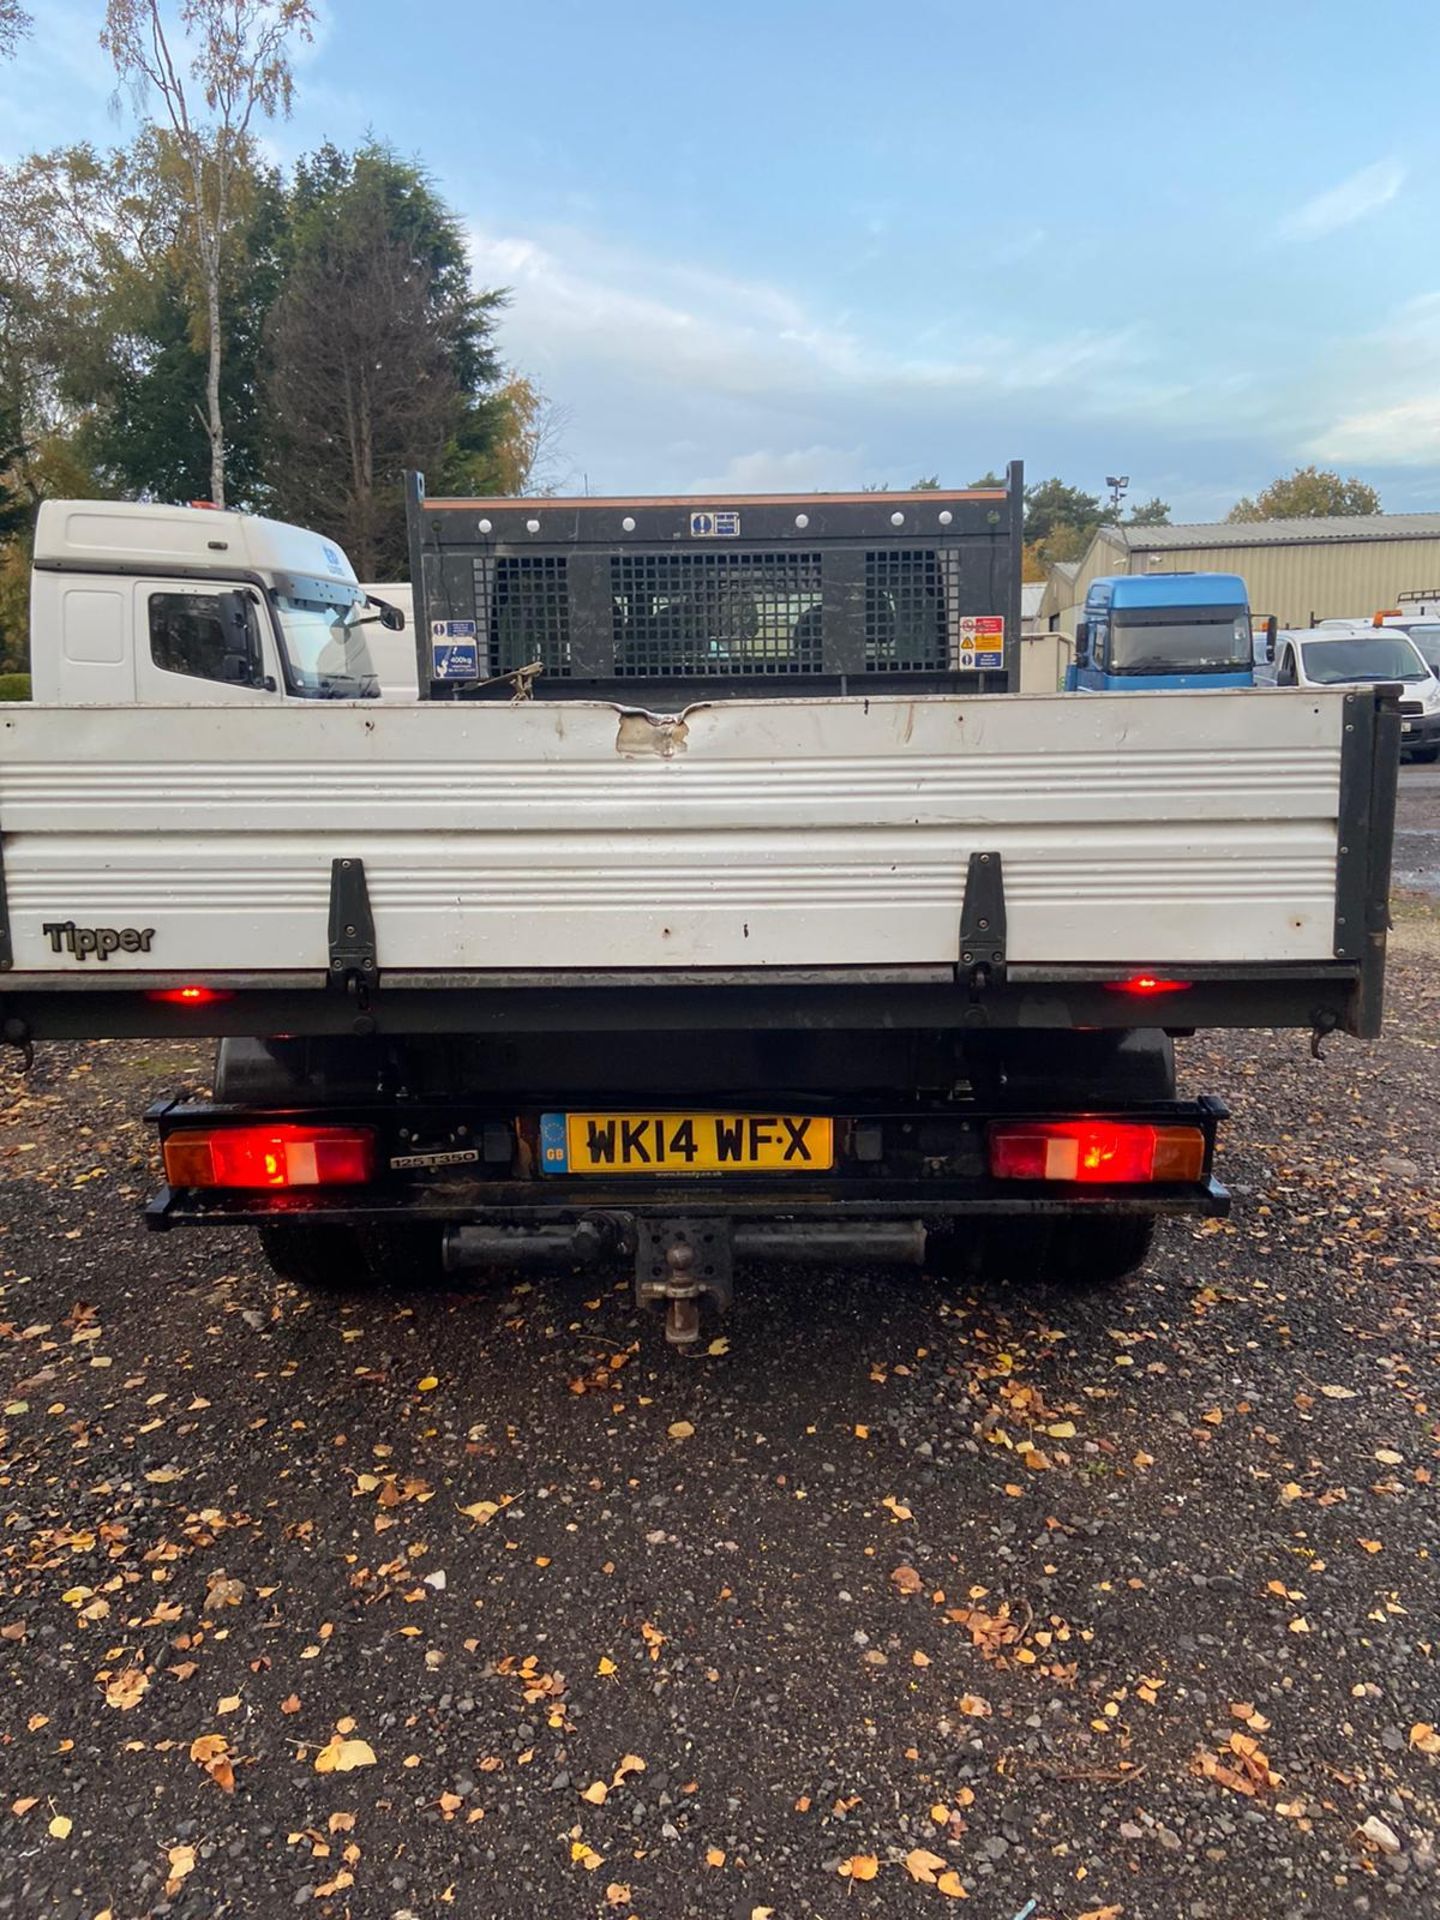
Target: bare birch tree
{"points": [[222, 64]]}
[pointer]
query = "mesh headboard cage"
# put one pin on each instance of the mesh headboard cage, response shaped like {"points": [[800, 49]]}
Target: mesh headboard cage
{"points": [[655, 601]]}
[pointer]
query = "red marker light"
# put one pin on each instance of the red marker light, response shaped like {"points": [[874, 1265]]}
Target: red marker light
{"points": [[1095, 1152], [190, 996], [270, 1156], [1147, 983]]}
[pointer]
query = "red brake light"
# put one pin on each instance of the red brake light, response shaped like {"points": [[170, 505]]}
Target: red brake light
{"points": [[1147, 983], [1110, 1152], [190, 996], [273, 1156]]}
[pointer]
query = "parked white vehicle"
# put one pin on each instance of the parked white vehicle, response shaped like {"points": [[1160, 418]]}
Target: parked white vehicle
{"points": [[135, 603], [393, 653], [1336, 655]]}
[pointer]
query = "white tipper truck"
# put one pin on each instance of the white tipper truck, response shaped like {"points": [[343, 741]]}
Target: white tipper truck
{"points": [[715, 903]]}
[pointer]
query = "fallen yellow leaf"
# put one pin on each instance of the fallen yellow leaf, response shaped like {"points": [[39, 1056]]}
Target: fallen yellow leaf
{"points": [[680, 1429], [949, 1885], [428, 1384], [595, 1793], [714, 1856], [607, 1666], [629, 1763], [212, 1752], [587, 1856], [344, 1756], [860, 1866], [922, 1865], [182, 1863], [59, 1828]]}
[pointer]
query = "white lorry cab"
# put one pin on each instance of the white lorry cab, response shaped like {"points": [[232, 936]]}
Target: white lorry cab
{"points": [[183, 606]]}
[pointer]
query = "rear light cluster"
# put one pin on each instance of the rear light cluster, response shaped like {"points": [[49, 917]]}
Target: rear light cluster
{"points": [[270, 1157], [1095, 1151]]}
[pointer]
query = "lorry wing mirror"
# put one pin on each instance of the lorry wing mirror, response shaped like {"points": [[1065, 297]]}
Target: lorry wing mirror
{"points": [[391, 618], [243, 664], [1270, 629], [1082, 641]]}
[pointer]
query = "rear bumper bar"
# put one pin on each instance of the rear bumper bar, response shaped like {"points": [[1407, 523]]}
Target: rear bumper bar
{"points": [[916, 1163]]}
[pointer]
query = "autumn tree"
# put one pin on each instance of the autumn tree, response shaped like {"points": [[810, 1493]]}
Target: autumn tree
{"points": [[15, 23], [237, 70], [379, 355], [526, 455], [1310, 493], [143, 390]]}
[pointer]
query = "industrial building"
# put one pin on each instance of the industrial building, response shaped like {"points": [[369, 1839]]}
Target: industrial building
{"points": [[1299, 570]]}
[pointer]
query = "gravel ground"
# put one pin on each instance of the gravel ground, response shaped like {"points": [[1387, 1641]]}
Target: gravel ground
{"points": [[1123, 1605], [1417, 831]]}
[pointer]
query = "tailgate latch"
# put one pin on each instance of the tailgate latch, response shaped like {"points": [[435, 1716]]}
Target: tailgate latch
{"points": [[982, 923]]}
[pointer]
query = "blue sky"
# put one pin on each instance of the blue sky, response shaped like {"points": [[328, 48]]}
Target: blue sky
{"points": [[812, 245]]}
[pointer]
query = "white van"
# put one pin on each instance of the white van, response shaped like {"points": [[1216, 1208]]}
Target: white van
{"points": [[1345, 656]]}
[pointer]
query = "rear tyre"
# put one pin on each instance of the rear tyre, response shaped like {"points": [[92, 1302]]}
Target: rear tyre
{"points": [[1079, 1253], [1090, 1254], [318, 1259], [403, 1256], [333, 1259]]}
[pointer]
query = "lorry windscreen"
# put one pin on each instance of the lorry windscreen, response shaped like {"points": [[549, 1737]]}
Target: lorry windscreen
{"points": [[326, 654], [1381, 656], [1179, 640]]}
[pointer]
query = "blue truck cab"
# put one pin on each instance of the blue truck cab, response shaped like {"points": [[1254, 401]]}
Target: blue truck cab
{"points": [[1163, 630]]}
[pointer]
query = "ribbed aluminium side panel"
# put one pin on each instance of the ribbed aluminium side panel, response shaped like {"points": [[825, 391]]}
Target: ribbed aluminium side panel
{"points": [[1152, 828]]}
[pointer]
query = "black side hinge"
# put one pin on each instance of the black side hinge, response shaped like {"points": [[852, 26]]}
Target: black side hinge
{"points": [[352, 927], [982, 923]]}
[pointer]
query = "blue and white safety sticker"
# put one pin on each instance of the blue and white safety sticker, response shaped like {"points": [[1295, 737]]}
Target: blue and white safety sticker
{"points": [[454, 650], [715, 523]]}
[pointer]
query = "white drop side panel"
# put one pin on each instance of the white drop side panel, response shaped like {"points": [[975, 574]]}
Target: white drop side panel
{"points": [[1165, 828]]}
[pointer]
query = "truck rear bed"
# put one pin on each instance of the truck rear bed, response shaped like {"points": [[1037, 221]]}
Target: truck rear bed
{"points": [[1189, 832]]}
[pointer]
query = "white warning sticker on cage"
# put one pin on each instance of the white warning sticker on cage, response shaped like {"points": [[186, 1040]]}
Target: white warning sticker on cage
{"points": [[715, 523], [982, 642]]}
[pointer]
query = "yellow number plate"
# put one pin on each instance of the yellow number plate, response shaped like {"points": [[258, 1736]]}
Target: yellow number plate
{"points": [[686, 1143]]}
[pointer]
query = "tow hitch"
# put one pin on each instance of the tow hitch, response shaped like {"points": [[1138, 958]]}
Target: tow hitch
{"points": [[682, 1260]]}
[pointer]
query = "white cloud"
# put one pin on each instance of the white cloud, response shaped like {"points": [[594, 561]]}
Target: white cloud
{"points": [[1390, 387], [574, 300], [1363, 193], [803, 470], [1404, 435]]}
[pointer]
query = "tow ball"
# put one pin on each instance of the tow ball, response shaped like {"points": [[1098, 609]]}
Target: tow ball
{"points": [[679, 1261]]}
